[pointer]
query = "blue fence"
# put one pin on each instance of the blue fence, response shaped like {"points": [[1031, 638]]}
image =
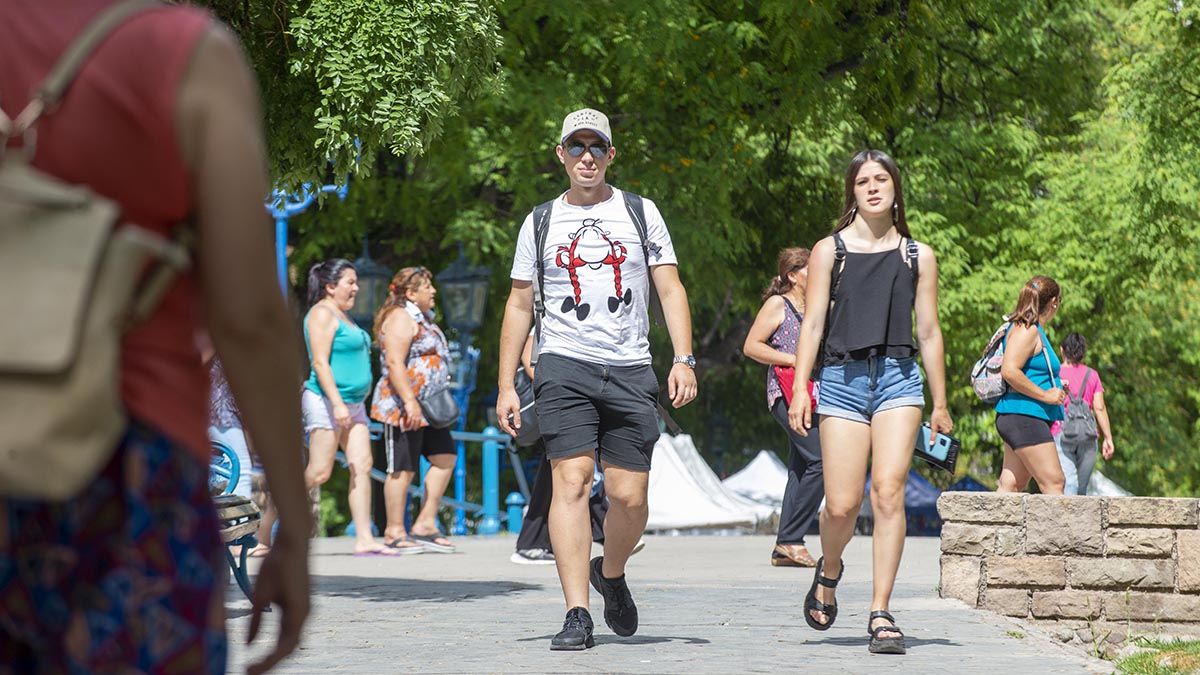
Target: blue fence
{"points": [[493, 441]]}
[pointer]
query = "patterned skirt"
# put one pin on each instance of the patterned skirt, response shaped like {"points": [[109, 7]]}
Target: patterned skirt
{"points": [[128, 576]]}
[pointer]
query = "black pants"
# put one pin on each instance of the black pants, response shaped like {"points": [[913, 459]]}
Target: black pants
{"points": [[806, 479], [535, 529]]}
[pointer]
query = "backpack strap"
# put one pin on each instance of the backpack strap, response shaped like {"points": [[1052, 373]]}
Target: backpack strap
{"points": [[541, 230], [52, 89], [912, 257], [1054, 381], [835, 280], [1087, 374], [636, 206], [839, 263]]}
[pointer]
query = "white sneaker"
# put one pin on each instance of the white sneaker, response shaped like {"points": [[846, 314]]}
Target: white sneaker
{"points": [[637, 548], [532, 556]]}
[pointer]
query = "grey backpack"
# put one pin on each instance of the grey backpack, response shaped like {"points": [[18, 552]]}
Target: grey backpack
{"points": [[1079, 425]]}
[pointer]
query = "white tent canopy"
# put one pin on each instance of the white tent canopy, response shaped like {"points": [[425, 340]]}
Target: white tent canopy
{"points": [[762, 480], [1102, 486], [685, 493]]}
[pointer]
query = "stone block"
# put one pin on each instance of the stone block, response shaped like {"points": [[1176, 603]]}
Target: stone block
{"points": [[1156, 511], [1189, 561], [968, 539], [1067, 604], [1059, 525], [1121, 573], [1139, 606], [1007, 601], [1029, 571], [981, 507], [1142, 541], [960, 578], [1009, 540]]}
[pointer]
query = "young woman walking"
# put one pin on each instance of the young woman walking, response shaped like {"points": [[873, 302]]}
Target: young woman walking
{"points": [[1035, 396], [338, 383], [865, 283], [772, 341], [1078, 455]]}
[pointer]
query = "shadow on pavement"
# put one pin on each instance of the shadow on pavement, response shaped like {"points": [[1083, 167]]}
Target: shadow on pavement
{"points": [[635, 640], [909, 641], [392, 589]]}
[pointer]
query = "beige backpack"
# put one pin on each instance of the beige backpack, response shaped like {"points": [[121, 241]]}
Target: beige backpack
{"points": [[73, 278]]}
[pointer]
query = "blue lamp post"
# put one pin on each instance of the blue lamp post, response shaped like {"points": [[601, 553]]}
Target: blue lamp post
{"points": [[462, 292], [282, 207]]}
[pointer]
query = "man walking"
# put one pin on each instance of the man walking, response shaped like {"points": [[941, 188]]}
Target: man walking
{"points": [[584, 265]]}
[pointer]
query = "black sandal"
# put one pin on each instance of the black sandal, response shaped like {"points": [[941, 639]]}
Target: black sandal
{"points": [[888, 645], [811, 604]]}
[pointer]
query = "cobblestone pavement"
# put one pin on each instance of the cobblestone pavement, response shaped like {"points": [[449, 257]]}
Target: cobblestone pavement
{"points": [[707, 605]]}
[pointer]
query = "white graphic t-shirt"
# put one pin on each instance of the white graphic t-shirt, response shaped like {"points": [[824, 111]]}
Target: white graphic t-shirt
{"points": [[597, 279]]}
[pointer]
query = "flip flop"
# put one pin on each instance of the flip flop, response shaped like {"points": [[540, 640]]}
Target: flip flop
{"points": [[383, 553], [259, 551], [429, 542], [398, 545]]}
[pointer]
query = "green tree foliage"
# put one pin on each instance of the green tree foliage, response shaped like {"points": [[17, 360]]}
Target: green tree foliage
{"points": [[1034, 137], [344, 80]]}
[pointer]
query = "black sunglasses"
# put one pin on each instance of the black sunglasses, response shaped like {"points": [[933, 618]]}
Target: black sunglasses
{"points": [[598, 150]]}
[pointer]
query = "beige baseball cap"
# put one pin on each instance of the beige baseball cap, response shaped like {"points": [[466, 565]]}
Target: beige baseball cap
{"points": [[589, 119]]}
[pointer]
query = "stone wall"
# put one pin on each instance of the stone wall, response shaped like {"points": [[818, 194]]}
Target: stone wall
{"points": [[1098, 568]]}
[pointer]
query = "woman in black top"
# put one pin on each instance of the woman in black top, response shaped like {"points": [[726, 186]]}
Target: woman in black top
{"points": [[865, 282]]}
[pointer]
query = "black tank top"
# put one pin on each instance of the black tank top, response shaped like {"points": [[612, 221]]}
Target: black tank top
{"points": [[873, 309]]}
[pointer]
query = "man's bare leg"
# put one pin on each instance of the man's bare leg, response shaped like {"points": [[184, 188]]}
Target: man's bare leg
{"points": [[570, 525], [626, 518]]}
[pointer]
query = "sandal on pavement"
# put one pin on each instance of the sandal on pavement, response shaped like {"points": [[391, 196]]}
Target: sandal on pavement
{"points": [[405, 545], [382, 552], [887, 645], [791, 555], [430, 542], [811, 604]]}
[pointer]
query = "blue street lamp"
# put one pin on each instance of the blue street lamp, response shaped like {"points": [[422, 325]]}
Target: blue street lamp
{"points": [[282, 207]]}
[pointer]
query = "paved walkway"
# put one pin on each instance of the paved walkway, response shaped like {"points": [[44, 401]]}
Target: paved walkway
{"points": [[707, 605]]}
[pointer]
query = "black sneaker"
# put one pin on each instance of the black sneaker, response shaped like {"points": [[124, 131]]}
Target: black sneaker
{"points": [[576, 634], [619, 611]]}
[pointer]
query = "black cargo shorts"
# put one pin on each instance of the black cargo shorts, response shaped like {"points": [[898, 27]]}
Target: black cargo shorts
{"points": [[583, 406]]}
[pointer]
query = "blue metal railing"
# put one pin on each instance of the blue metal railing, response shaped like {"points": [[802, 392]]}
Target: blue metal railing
{"points": [[493, 441]]}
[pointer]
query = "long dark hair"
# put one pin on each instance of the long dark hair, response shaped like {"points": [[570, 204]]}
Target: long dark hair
{"points": [[1035, 295], [407, 279], [850, 204], [325, 273], [790, 260]]}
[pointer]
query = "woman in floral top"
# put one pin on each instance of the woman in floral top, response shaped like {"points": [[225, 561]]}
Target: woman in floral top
{"points": [[772, 341], [415, 358]]}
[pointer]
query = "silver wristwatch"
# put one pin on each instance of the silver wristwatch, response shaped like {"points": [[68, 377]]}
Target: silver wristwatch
{"points": [[687, 360]]}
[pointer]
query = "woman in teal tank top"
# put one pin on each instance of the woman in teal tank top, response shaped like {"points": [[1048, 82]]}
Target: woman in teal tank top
{"points": [[1035, 397], [340, 379]]}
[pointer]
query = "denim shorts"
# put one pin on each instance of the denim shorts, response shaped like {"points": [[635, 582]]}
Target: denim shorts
{"points": [[856, 390]]}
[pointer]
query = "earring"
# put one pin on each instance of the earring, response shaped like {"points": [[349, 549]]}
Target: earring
{"points": [[853, 212], [895, 212]]}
